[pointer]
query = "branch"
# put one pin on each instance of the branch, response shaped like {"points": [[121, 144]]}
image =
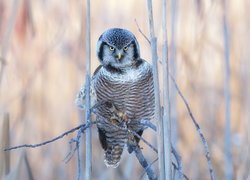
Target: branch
{"points": [[178, 160], [174, 165], [144, 140], [139, 29], [147, 123], [183, 175], [144, 163], [178, 167], [82, 127], [205, 144]]}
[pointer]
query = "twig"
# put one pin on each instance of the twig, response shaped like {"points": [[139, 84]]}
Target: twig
{"points": [[78, 153], [139, 29], [82, 127], [144, 140], [178, 160], [145, 170], [144, 163], [185, 176], [174, 165], [147, 123], [71, 151], [77, 142], [173, 150], [205, 144], [160, 137]]}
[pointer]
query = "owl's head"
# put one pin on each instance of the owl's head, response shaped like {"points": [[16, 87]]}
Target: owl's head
{"points": [[118, 48]]}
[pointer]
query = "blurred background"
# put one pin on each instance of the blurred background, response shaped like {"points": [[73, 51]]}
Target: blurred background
{"points": [[42, 66]]}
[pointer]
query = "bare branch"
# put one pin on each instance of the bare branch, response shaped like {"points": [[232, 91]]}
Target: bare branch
{"points": [[178, 160], [185, 176], [82, 127], [147, 123], [144, 140], [139, 29], [174, 152], [205, 144], [144, 163], [145, 170], [78, 138]]}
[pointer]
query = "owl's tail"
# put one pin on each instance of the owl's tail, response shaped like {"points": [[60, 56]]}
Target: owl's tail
{"points": [[113, 156]]}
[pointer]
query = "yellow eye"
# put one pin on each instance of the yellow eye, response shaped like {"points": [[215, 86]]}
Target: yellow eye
{"points": [[111, 48], [125, 49]]}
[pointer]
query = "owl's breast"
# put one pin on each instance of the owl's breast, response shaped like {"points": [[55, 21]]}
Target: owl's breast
{"points": [[134, 97]]}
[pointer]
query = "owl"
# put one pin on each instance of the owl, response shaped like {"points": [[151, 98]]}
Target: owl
{"points": [[122, 93]]}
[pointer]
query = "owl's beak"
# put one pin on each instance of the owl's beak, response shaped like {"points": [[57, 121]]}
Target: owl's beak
{"points": [[119, 55]]}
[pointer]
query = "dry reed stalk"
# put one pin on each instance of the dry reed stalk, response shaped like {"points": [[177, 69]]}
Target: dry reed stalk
{"points": [[166, 98], [228, 168], [15, 174], [88, 155], [4, 142], [158, 117]]}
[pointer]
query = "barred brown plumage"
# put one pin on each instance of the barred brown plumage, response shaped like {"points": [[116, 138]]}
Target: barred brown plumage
{"points": [[123, 91], [134, 97]]}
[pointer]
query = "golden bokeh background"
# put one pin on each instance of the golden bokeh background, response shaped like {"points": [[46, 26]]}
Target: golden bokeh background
{"points": [[42, 46]]}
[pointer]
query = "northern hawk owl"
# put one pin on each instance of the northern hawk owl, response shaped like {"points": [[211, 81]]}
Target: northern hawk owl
{"points": [[123, 92]]}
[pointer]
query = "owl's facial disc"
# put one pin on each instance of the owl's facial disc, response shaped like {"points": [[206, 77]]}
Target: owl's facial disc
{"points": [[118, 48]]}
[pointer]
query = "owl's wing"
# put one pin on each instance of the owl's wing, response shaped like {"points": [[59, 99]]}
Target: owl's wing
{"points": [[80, 97]]}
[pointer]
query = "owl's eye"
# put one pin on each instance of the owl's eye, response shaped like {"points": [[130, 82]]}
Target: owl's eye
{"points": [[111, 48], [125, 48]]}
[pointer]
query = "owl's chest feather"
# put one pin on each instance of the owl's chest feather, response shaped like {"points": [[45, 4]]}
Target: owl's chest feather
{"points": [[135, 96]]}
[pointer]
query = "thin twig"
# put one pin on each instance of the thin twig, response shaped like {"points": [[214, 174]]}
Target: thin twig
{"points": [[77, 142], [178, 160], [174, 165], [71, 151], [139, 29], [144, 140], [173, 150], [149, 124], [78, 138], [185, 176], [82, 126], [205, 144]]}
